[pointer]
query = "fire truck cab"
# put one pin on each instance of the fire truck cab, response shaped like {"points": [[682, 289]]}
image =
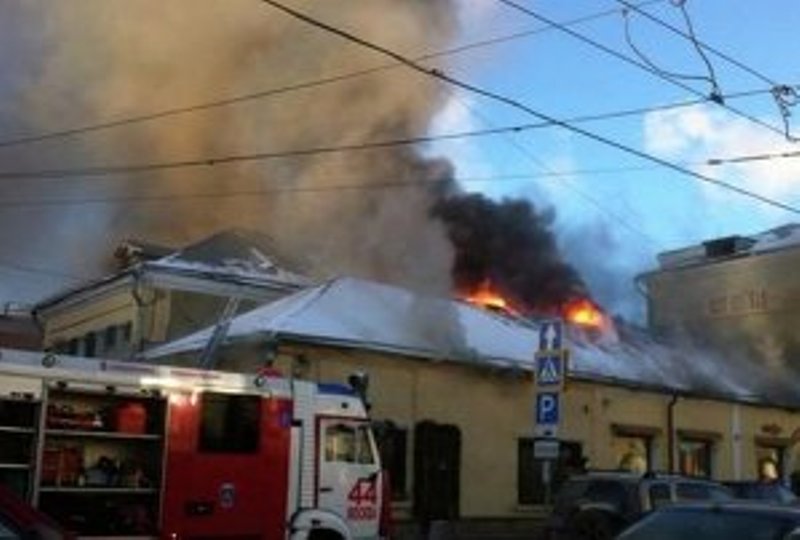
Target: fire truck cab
{"points": [[118, 449]]}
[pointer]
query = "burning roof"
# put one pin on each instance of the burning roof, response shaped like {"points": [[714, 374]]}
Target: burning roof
{"points": [[359, 314]]}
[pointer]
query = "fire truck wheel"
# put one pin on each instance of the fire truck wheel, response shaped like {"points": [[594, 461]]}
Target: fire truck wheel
{"points": [[324, 535]]}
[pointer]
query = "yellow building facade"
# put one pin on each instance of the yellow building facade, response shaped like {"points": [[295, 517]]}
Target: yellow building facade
{"points": [[468, 412]]}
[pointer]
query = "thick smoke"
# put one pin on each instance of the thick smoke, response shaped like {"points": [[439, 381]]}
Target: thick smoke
{"points": [[510, 244], [96, 60]]}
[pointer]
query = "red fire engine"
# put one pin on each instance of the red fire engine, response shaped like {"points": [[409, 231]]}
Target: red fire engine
{"points": [[116, 449]]}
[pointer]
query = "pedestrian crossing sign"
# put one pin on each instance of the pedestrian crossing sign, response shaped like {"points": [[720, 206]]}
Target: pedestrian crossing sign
{"points": [[550, 368]]}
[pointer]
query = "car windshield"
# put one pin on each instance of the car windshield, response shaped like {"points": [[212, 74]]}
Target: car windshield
{"points": [[708, 525]]}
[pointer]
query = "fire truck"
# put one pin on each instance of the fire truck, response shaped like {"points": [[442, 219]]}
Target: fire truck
{"points": [[130, 450]]}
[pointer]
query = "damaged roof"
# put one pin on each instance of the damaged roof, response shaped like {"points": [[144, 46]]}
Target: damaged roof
{"points": [[236, 252], [359, 314], [236, 255]]}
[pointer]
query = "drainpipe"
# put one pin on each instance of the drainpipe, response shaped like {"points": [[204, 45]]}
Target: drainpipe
{"points": [[671, 432]]}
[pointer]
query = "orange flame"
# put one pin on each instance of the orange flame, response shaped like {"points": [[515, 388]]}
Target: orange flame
{"points": [[583, 312], [487, 297]]}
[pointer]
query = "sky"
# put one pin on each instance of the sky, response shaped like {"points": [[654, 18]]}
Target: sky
{"points": [[611, 223]]}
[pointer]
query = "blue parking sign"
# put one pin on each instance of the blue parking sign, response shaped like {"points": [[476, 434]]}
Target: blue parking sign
{"points": [[547, 408]]}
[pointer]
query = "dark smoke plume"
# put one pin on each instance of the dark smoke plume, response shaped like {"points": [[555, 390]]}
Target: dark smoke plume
{"points": [[509, 243]]}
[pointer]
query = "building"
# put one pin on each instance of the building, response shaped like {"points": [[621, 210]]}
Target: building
{"points": [[18, 329], [737, 294], [160, 295], [452, 391]]}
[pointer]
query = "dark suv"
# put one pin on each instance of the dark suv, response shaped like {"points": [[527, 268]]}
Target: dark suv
{"points": [[598, 505]]}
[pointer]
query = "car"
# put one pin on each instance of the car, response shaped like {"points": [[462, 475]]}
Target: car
{"points": [[598, 505], [20, 521], [718, 521], [763, 491]]}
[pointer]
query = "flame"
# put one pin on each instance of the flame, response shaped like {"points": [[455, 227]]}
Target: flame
{"points": [[487, 297], [584, 312]]}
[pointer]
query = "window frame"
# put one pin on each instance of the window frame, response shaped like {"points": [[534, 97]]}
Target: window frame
{"points": [[362, 433], [708, 455]]}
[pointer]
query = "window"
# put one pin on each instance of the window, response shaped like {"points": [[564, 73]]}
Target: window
{"points": [[127, 332], [72, 347], [695, 457], [660, 495], [110, 337], [770, 462], [230, 423], [633, 453], [392, 444], [90, 345], [348, 443]]}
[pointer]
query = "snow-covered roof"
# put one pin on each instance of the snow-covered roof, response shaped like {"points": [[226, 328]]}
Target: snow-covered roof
{"points": [[233, 254], [779, 238], [354, 313]]}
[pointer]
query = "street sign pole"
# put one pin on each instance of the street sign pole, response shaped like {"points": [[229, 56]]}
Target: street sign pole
{"points": [[551, 368]]}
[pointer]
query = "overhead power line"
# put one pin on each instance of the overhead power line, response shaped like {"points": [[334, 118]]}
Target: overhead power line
{"points": [[785, 96], [360, 186], [228, 159], [525, 152], [290, 88], [633, 62], [705, 46], [440, 75], [768, 156], [209, 161], [710, 77], [27, 269]]}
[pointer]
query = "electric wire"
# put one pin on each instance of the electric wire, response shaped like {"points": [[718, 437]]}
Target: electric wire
{"points": [[440, 75], [698, 43], [27, 269], [224, 159], [290, 88], [714, 95], [784, 96], [530, 156], [768, 156], [342, 187], [633, 62]]}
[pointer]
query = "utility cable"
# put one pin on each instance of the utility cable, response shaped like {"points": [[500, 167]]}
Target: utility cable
{"points": [[139, 168], [785, 96], [440, 75], [530, 156], [341, 187], [701, 45], [25, 269], [631, 61], [770, 156], [288, 89], [715, 94]]}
